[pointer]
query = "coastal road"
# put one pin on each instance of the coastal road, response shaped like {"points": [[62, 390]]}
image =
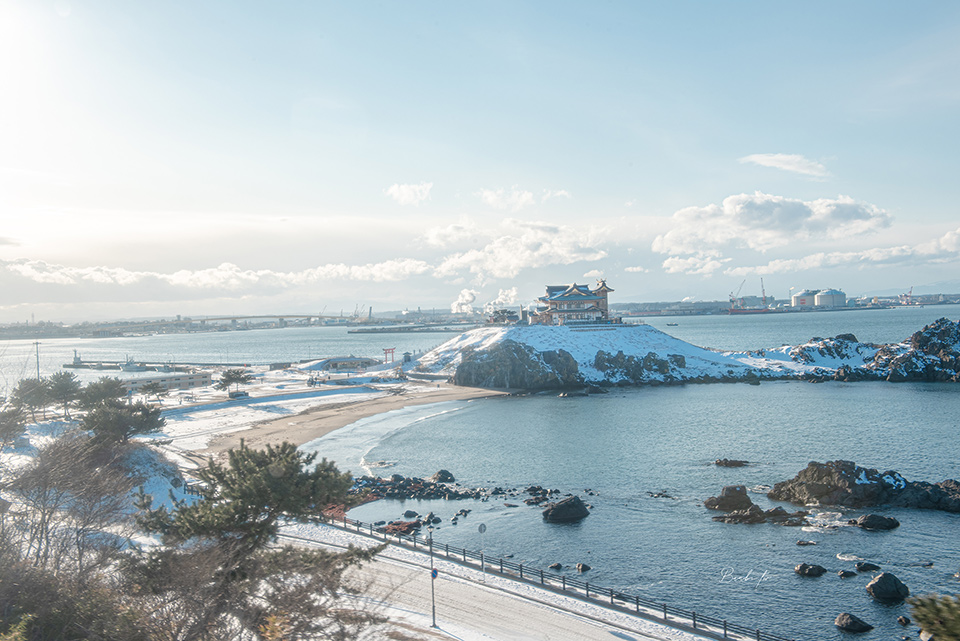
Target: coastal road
{"points": [[475, 607]]}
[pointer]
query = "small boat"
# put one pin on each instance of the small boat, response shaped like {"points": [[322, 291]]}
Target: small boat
{"points": [[130, 366], [672, 324]]}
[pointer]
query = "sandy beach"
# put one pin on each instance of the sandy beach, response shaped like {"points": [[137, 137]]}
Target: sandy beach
{"points": [[313, 423]]}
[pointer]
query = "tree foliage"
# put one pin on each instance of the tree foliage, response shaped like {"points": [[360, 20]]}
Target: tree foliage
{"points": [[31, 394], [154, 389], [219, 577], [938, 615], [11, 425], [117, 423], [235, 377], [105, 390], [64, 388]]}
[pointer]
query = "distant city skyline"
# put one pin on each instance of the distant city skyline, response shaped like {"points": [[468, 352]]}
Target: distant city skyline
{"points": [[299, 157]]}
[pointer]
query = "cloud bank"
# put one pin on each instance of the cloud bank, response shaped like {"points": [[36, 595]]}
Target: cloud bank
{"points": [[410, 194], [788, 162]]}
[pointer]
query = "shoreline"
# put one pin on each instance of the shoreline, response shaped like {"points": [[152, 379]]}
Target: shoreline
{"points": [[315, 423]]}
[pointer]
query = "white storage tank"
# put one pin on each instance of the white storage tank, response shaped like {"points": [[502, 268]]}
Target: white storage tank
{"points": [[831, 298], [806, 298]]}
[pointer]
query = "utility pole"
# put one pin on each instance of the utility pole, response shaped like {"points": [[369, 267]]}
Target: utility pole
{"points": [[37, 343]]}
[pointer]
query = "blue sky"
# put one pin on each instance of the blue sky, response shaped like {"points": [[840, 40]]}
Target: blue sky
{"points": [[200, 158]]}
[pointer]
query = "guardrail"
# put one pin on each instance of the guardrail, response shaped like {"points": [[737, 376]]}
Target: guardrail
{"points": [[608, 597]]}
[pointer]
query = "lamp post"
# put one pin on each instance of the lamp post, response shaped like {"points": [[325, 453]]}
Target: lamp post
{"points": [[433, 577]]}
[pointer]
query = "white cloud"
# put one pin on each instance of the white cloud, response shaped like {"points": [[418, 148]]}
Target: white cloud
{"points": [[464, 302], [940, 250], [560, 193], [636, 270], [525, 245], [223, 277], [788, 162], [514, 200], [464, 231], [703, 264], [594, 273], [761, 221], [410, 194]]}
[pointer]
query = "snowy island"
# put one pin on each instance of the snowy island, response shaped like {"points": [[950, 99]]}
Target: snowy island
{"points": [[539, 357]]}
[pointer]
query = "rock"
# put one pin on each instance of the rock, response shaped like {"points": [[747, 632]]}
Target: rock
{"points": [[555, 566], [847, 484], [887, 588], [732, 498], [753, 514], [806, 542], [864, 566], [851, 623], [846, 574], [724, 462], [582, 567], [904, 621], [810, 570], [568, 510], [876, 522], [510, 364], [410, 514], [443, 476]]}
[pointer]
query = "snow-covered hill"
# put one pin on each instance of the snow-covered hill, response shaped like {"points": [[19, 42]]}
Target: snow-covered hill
{"points": [[556, 357]]}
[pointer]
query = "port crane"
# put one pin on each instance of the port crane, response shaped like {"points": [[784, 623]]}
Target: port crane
{"points": [[735, 300]]}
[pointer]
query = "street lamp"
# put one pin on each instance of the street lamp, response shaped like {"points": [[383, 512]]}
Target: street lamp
{"points": [[433, 577]]}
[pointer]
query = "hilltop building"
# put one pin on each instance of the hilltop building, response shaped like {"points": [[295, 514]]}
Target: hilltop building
{"points": [[563, 304]]}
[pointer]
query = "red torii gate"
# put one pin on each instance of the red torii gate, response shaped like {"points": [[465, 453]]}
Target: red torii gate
{"points": [[388, 354]]}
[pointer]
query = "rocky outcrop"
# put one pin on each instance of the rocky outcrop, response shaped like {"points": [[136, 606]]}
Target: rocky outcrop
{"points": [[726, 462], [847, 484], [805, 569], [875, 522], [866, 566], [887, 588], [851, 623], [754, 514], [639, 370], [442, 476], [731, 499], [568, 510], [930, 355], [509, 364]]}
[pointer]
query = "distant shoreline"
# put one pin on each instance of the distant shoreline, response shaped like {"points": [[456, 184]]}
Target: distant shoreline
{"points": [[315, 423]]}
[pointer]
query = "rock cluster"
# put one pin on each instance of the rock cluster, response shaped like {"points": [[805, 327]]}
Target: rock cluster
{"points": [[399, 487], [733, 499], [640, 369], [847, 484]]}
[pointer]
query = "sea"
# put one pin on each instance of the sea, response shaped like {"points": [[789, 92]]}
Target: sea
{"points": [[643, 459]]}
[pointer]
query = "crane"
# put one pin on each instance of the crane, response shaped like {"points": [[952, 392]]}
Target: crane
{"points": [[736, 297]]}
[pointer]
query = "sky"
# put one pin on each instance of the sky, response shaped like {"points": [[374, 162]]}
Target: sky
{"points": [[231, 157]]}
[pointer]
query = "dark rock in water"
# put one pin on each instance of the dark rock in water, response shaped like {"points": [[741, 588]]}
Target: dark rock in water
{"points": [[846, 574], [555, 566], [565, 511], [582, 567], [805, 569], [888, 588], [752, 514], [904, 621], [725, 462], [847, 484], [732, 498], [851, 623], [443, 476], [865, 566], [877, 522], [410, 514], [510, 505], [806, 542]]}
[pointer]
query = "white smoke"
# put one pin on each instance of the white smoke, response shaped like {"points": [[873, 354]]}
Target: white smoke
{"points": [[464, 302], [505, 298]]}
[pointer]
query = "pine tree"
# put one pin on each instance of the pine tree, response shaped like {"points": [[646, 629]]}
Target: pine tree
{"points": [[220, 576], [117, 423], [64, 388], [236, 377], [938, 615]]}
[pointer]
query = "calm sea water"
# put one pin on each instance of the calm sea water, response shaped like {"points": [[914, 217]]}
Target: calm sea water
{"points": [[630, 443]]}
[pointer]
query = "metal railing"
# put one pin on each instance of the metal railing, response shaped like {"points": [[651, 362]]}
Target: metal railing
{"points": [[631, 604]]}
